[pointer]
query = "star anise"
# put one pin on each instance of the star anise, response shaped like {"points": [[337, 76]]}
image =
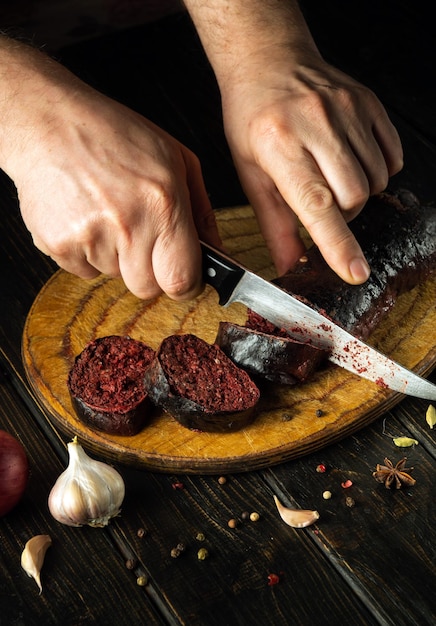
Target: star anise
{"points": [[394, 475]]}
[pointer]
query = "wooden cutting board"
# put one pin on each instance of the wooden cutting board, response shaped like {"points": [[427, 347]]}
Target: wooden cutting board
{"points": [[70, 312]]}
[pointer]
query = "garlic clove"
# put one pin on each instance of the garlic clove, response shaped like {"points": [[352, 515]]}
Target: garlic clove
{"points": [[430, 416], [32, 557], [65, 501], [297, 518], [87, 492], [404, 442]]}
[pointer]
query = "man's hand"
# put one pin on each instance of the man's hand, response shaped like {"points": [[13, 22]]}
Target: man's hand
{"points": [[101, 189], [310, 144]]}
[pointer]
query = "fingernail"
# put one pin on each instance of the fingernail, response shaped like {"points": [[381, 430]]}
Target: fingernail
{"points": [[359, 269]]}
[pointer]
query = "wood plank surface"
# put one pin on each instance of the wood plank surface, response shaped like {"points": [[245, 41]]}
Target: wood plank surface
{"points": [[75, 576], [383, 545], [230, 587], [70, 312]]}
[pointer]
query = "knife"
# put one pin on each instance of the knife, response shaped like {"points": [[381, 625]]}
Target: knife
{"points": [[236, 283]]}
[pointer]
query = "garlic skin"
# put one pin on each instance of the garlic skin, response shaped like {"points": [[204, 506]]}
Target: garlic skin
{"points": [[32, 557], [88, 492], [430, 416], [297, 518]]}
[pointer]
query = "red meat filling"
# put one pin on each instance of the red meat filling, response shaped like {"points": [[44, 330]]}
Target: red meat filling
{"points": [[108, 374], [201, 372]]}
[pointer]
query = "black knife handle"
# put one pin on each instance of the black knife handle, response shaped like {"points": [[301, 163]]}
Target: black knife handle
{"points": [[221, 272]]}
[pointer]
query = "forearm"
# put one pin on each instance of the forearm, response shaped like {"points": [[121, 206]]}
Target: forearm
{"points": [[241, 34], [32, 85]]}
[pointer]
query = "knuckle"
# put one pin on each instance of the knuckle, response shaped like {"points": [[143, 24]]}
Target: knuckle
{"points": [[161, 194], [396, 165], [192, 160], [268, 128], [380, 183], [205, 222], [348, 98], [315, 104], [59, 248], [316, 199], [181, 288], [354, 200]]}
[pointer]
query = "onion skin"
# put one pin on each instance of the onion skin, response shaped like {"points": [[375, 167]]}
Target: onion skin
{"points": [[14, 472]]}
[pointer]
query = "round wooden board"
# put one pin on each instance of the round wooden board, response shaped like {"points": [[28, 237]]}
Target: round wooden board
{"points": [[70, 312]]}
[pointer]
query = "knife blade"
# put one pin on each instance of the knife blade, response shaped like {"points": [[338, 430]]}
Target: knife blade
{"points": [[236, 283]]}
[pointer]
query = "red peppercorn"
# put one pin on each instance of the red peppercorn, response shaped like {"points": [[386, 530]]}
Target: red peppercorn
{"points": [[346, 484], [178, 485], [321, 468], [273, 579]]}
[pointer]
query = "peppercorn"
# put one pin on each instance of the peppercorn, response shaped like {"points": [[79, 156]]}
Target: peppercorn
{"points": [[181, 547], [319, 412], [350, 502], [222, 480], [141, 532], [254, 516], [232, 523], [130, 563], [200, 537], [321, 468], [346, 484], [202, 554], [178, 485], [273, 579], [245, 515], [141, 581]]}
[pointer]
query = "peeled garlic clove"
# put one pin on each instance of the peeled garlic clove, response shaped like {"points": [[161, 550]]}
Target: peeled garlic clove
{"points": [[32, 557], [87, 492], [297, 518]]}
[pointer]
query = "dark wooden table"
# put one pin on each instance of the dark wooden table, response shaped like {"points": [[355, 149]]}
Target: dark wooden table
{"points": [[373, 563]]}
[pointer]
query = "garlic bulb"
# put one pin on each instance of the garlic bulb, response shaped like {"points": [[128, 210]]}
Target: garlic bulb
{"points": [[87, 492], [32, 557], [297, 518]]}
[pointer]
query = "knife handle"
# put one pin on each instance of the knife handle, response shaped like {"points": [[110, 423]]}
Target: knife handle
{"points": [[221, 272]]}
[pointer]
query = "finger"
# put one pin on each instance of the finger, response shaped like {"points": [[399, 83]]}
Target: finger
{"points": [[163, 254], [364, 162], [202, 212], [310, 196], [374, 147], [136, 272], [351, 165], [99, 249], [75, 263], [357, 162], [359, 170], [177, 264], [76, 266], [82, 269], [389, 141], [278, 224]]}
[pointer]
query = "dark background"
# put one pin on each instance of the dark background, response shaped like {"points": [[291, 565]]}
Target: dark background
{"points": [[161, 71]]}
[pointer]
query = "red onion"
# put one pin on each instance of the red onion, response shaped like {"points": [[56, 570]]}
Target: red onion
{"points": [[14, 472]]}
